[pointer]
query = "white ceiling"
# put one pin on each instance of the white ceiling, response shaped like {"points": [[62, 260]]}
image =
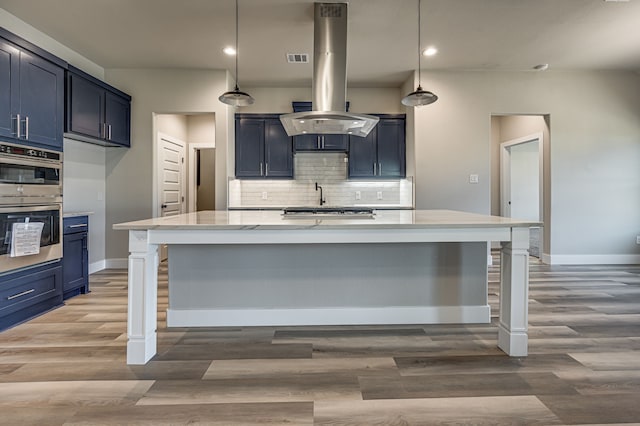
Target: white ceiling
{"points": [[382, 40]]}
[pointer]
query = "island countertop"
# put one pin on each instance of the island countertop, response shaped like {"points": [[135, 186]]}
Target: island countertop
{"points": [[394, 219]]}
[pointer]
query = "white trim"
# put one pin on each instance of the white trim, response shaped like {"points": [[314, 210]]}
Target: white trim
{"points": [[328, 316], [591, 259], [116, 263], [97, 266]]}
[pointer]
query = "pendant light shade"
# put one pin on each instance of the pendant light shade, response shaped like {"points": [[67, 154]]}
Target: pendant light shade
{"points": [[236, 97], [419, 97]]}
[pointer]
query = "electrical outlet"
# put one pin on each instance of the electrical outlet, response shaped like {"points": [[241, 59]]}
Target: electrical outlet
{"points": [[638, 239], [358, 195], [473, 178], [379, 195], [264, 195]]}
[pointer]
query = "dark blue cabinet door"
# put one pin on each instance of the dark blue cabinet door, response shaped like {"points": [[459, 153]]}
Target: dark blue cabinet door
{"points": [[306, 142], [9, 104], [391, 148], [118, 119], [249, 147], [41, 100], [85, 107], [75, 261], [335, 142], [362, 155], [277, 150]]}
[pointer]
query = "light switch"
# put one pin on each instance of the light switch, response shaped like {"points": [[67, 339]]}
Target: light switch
{"points": [[379, 195], [264, 195], [358, 195], [473, 178]]}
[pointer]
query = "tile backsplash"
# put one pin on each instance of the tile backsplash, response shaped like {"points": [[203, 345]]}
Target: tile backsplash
{"points": [[330, 171]]}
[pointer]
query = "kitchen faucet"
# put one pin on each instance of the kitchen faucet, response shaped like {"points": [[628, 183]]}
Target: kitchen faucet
{"points": [[322, 200]]}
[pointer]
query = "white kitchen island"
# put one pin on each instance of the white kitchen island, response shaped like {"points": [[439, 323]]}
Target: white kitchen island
{"points": [[256, 268]]}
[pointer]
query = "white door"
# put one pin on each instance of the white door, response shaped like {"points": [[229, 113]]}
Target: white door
{"points": [[172, 180], [521, 178]]}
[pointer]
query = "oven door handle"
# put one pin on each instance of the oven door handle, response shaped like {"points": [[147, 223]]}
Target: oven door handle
{"points": [[35, 208]]}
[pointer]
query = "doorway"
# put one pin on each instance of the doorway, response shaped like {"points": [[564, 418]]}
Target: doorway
{"points": [[202, 158]]}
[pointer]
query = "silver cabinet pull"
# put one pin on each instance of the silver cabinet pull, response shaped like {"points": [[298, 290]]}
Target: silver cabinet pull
{"points": [[318, 143], [261, 168], [109, 137], [322, 142], [266, 169], [380, 168], [80, 225], [18, 131], [24, 293], [375, 170], [26, 127]]}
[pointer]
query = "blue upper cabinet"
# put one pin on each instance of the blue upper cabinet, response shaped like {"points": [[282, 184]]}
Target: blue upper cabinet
{"points": [[338, 143], [96, 112], [382, 153], [263, 148], [31, 94]]}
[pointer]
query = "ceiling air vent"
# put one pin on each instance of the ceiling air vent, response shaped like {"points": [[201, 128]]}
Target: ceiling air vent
{"points": [[298, 58]]}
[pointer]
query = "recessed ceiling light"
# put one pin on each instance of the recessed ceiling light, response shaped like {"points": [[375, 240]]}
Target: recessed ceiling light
{"points": [[541, 67], [430, 51], [229, 51]]}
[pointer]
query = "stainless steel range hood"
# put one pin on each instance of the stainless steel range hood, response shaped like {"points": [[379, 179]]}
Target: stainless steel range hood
{"points": [[329, 80]]}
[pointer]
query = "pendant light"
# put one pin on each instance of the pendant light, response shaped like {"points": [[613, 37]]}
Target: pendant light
{"points": [[419, 97], [236, 97]]}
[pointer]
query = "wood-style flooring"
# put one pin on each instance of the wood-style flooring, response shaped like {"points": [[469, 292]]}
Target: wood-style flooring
{"points": [[67, 367]]}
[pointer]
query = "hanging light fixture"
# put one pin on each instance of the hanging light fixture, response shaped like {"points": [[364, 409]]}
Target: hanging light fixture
{"points": [[419, 97], [236, 97]]}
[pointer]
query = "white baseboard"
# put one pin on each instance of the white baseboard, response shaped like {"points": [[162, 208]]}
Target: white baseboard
{"points": [[591, 259], [116, 263], [328, 316], [97, 266]]}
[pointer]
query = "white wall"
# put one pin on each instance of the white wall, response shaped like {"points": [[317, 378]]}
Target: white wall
{"points": [[595, 152], [84, 191], [161, 91]]}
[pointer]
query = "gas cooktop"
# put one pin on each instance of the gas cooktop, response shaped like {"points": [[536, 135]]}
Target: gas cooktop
{"points": [[337, 212]]}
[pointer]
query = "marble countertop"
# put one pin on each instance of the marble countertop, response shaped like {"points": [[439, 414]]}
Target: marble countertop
{"points": [[269, 219]]}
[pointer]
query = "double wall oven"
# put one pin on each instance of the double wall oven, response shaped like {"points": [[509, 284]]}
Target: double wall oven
{"points": [[30, 193]]}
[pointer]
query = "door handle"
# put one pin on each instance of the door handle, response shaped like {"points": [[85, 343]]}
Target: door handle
{"points": [[163, 206]]}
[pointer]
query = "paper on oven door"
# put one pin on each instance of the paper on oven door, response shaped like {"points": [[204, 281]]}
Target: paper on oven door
{"points": [[25, 238]]}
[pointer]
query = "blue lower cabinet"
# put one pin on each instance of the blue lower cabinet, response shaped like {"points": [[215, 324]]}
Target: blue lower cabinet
{"points": [[30, 292], [75, 256]]}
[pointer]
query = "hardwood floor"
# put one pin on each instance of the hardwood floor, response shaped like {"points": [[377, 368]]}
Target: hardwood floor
{"points": [[67, 367]]}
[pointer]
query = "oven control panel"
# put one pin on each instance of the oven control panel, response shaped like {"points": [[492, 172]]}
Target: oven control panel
{"points": [[23, 151]]}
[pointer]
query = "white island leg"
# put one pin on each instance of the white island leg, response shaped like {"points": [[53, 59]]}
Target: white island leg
{"points": [[143, 300], [514, 293]]}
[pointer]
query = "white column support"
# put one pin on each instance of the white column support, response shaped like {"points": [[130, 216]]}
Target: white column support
{"points": [[514, 293], [143, 298]]}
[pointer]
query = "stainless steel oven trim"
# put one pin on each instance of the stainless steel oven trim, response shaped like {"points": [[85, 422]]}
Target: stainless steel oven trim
{"points": [[47, 253]]}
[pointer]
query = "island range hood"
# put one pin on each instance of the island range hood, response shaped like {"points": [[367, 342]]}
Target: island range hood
{"points": [[328, 115]]}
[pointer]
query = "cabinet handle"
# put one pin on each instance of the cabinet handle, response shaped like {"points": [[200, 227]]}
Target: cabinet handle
{"points": [[375, 170], [24, 293], [26, 129], [18, 131], [322, 142], [380, 168], [109, 132], [266, 169], [80, 225], [261, 168]]}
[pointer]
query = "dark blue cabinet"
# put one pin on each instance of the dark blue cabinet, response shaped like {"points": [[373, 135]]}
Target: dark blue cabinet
{"points": [[30, 292], [9, 102], [75, 262], [96, 112], [31, 97], [382, 153], [263, 148], [338, 143]]}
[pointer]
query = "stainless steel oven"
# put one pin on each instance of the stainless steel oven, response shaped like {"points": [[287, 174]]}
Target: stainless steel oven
{"points": [[30, 192]]}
